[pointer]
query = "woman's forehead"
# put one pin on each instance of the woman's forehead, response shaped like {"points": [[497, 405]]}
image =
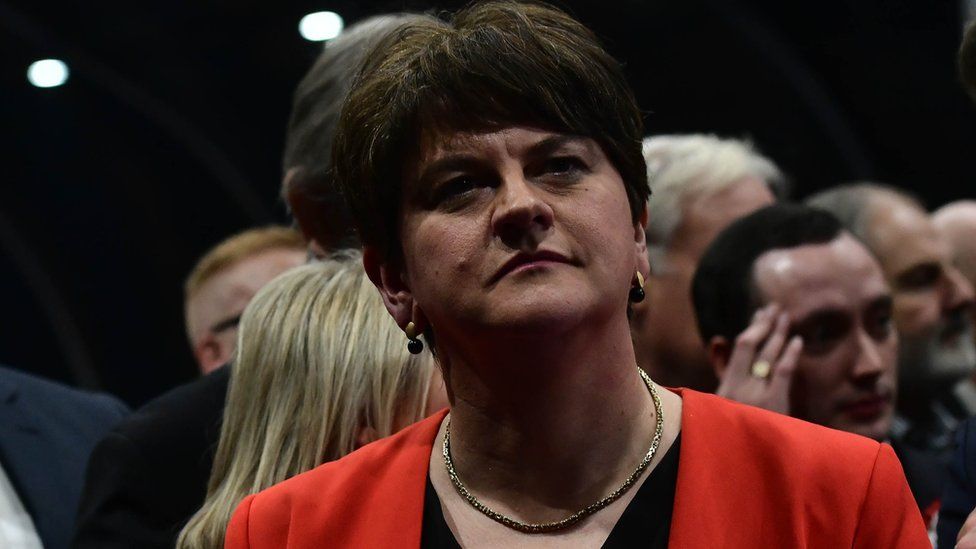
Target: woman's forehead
{"points": [[513, 139]]}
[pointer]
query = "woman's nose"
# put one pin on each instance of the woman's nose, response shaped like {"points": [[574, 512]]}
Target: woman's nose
{"points": [[522, 217]]}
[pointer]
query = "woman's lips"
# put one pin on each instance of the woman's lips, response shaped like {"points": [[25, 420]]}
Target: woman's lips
{"points": [[528, 261], [533, 265]]}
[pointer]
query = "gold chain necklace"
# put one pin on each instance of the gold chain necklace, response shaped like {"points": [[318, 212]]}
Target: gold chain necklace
{"points": [[540, 528]]}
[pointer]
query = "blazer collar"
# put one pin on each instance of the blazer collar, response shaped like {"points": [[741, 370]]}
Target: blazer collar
{"points": [[700, 478], [704, 475], [26, 452]]}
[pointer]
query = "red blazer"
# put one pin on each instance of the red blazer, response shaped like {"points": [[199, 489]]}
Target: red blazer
{"points": [[747, 478]]}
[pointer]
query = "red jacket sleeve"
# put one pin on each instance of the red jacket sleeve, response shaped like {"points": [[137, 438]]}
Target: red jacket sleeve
{"points": [[889, 516], [237, 529]]}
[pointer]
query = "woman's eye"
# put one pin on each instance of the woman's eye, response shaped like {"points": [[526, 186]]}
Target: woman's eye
{"points": [[563, 165], [456, 192], [457, 186]]}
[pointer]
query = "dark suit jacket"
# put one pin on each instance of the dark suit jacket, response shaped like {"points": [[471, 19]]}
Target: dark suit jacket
{"points": [[47, 432], [959, 497], [149, 475], [926, 474], [747, 478]]}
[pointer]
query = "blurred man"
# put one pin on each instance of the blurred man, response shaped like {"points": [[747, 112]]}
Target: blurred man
{"points": [[699, 185], [47, 431], [223, 282], [956, 223], [957, 520], [796, 317], [932, 301]]}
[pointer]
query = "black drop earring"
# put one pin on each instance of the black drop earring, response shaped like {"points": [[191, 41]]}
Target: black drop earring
{"points": [[637, 290], [414, 345]]}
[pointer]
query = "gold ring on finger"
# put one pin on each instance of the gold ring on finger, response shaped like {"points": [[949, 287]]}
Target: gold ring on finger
{"points": [[760, 369]]}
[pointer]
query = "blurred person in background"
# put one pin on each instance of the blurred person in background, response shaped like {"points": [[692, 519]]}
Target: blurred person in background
{"points": [[932, 303], [699, 184], [960, 493], [320, 371], [223, 282], [150, 474], [47, 432], [957, 224], [796, 317], [318, 208]]}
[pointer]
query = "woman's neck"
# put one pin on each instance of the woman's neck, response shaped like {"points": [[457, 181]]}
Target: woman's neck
{"points": [[548, 428]]}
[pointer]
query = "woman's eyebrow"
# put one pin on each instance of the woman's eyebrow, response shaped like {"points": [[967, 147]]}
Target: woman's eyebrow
{"points": [[553, 143], [464, 161], [449, 163]]}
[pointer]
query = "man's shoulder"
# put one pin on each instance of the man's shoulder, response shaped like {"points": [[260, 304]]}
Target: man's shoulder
{"points": [[778, 436], [61, 401], [182, 411]]}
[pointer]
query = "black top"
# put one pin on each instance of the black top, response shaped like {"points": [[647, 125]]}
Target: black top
{"points": [[149, 475], [646, 522]]}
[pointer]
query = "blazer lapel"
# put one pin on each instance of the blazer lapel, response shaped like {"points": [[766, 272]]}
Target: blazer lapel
{"points": [[398, 508], [712, 496], [27, 457]]}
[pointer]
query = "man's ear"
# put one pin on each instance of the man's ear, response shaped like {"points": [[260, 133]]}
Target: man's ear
{"points": [[719, 351], [207, 352], [388, 277], [640, 241], [321, 214]]}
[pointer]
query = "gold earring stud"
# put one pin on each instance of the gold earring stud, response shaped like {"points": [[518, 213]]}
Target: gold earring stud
{"points": [[637, 291], [414, 345]]}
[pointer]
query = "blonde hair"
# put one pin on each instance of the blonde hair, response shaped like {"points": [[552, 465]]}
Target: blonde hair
{"points": [[235, 248], [681, 168], [318, 360]]}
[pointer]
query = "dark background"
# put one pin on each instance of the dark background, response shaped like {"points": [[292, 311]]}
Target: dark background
{"points": [[167, 138]]}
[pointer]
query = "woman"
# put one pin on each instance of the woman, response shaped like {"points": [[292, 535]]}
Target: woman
{"points": [[494, 167], [320, 370]]}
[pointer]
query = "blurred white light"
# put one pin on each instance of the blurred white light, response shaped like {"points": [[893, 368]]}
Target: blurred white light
{"points": [[47, 73], [321, 25]]}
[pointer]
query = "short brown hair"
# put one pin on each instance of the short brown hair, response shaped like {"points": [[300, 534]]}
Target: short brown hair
{"points": [[495, 64], [240, 246]]}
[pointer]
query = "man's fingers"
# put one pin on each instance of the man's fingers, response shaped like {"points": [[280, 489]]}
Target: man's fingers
{"points": [[747, 344], [778, 390], [782, 375], [774, 344]]}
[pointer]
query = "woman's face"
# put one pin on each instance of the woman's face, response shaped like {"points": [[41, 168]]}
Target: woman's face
{"points": [[516, 229]]}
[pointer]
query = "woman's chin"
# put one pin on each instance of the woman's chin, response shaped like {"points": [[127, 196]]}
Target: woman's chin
{"points": [[544, 312]]}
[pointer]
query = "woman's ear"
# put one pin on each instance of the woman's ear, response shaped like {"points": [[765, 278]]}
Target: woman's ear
{"points": [[719, 351], [640, 241], [388, 277]]}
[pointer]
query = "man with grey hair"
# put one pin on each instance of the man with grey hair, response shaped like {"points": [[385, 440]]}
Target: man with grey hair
{"points": [[932, 305], [956, 223], [700, 184]]}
